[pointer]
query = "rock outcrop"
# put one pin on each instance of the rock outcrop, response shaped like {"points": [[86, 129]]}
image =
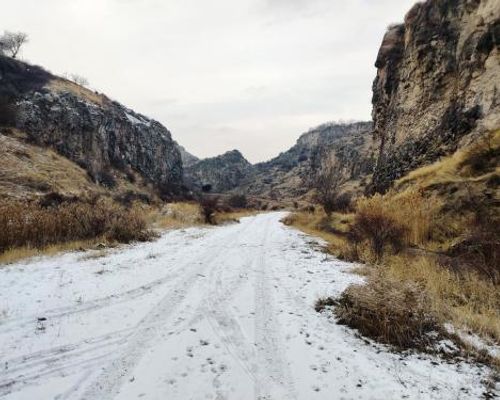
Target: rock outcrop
{"points": [[218, 174], [96, 133], [342, 146], [437, 84], [187, 158]]}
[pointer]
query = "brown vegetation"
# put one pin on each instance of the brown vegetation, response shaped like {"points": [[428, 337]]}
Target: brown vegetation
{"points": [[390, 311], [33, 225], [430, 247]]}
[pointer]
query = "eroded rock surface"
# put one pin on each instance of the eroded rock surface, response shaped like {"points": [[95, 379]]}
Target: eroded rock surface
{"points": [[436, 85]]}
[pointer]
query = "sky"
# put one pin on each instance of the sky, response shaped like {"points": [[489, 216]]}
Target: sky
{"points": [[220, 74]]}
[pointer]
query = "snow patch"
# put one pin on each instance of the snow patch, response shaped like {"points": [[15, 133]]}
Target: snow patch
{"points": [[138, 120]]}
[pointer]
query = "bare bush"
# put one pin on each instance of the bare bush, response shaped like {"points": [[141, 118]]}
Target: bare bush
{"points": [[238, 201], [479, 249], [389, 311], [327, 182], [79, 80], [374, 222], [209, 206]]}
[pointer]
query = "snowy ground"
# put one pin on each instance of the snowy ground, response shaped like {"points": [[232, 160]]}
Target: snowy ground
{"points": [[212, 313]]}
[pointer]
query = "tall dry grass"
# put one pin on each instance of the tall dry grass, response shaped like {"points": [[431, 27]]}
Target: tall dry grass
{"points": [[24, 224], [465, 299], [389, 310], [175, 215], [411, 210]]}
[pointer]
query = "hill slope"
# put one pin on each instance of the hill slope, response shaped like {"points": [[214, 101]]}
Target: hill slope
{"points": [[344, 146], [100, 135]]}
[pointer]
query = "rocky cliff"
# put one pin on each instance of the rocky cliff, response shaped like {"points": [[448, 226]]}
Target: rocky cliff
{"points": [[342, 146], [437, 84], [98, 134], [218, 174], [187, 158]]}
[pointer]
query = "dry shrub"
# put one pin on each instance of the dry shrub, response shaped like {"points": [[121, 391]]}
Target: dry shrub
{"points": [[374, 223], [33, 225], [127, 226], [479, 249], [394, 220], [463, 298], [389, 311], [209, 206], [483, 156], [176, 215], [237, 201]]}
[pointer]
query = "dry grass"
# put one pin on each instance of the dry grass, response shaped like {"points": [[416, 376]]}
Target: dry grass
{"points": [[456, 168], [312, 223], [390, 310], [65, 85], [29, 170], [449, 207], [186, 214], [175, 215], [33, 226], [465, 299], [20, 253], [411, 210]]}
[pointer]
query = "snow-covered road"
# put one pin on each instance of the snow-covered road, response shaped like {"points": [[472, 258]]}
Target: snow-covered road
{"points": [[201, 313]]}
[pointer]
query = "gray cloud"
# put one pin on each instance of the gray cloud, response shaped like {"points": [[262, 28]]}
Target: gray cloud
{"points": [[247, 74]]}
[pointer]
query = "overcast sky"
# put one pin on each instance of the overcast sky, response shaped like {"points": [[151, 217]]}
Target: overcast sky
{"points": [[220, 74]]}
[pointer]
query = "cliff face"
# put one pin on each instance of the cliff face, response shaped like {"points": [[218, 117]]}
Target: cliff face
{"points": [[345, 147], [437, 84], [221, 173], [187, 158], [91, 130]]}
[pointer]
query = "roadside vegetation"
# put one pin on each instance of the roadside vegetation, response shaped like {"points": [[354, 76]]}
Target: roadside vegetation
{"points": [[53, 222], [430, 252]]}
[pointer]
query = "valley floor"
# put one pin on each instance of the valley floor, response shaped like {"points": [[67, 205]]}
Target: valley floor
{"points": [[201, 313]]}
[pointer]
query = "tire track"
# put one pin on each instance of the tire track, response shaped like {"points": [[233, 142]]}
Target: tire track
{"points": [[274, 375], [110, 380]]}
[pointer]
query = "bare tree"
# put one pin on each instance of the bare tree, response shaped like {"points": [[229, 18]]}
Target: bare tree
{"points": [[79, 80], [11, 42], [327, 183], [326, 180]]}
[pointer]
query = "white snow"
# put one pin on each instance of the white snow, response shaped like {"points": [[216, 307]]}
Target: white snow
{"points": [[202, 313], [476, 342], [136, 121]]}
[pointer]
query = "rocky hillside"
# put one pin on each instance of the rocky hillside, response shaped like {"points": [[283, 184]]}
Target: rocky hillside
{"points": [[437, 84], [187, 158], [344, 146], [100, 135], [218, 174]]}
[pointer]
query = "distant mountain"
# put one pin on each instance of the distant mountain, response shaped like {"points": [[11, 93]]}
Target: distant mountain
{"points": [[344, 146]]}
